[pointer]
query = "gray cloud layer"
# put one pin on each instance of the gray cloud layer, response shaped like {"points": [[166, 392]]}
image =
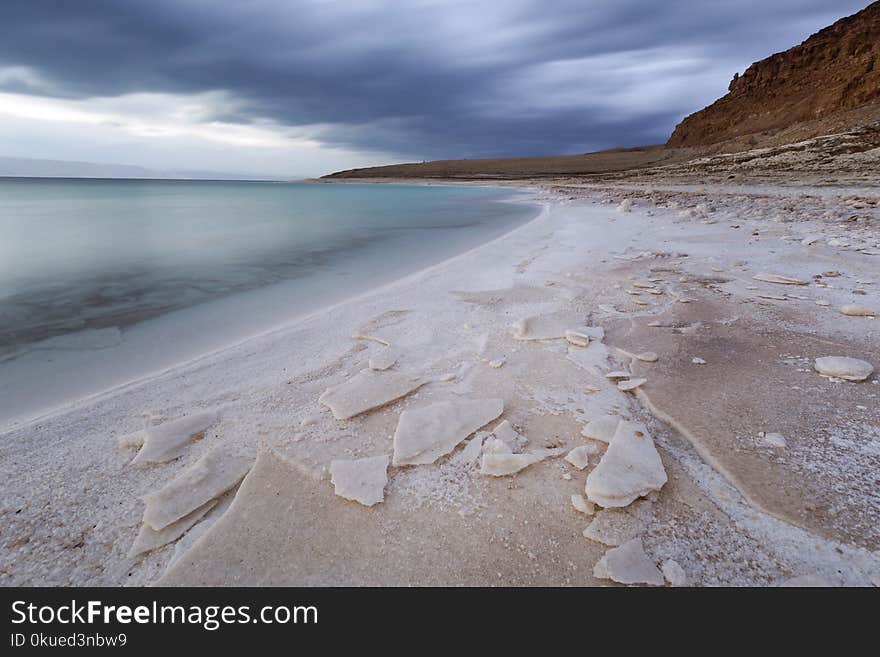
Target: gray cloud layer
{"points": [[421, 78]]}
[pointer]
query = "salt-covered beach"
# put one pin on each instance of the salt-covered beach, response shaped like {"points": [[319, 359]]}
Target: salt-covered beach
{"points": [[624, 390]]}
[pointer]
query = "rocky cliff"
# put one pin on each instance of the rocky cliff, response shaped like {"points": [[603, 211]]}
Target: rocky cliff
{"points": [[833, 74]]}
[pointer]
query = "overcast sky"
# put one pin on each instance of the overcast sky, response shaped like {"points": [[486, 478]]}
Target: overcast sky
{"points": [[287, 87]]}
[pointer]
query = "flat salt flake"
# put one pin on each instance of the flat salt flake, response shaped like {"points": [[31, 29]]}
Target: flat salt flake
{"points": [[601, 428], [618, 374], [425, 434], [539, 328], [504, 431], [383, 360], [629, 469], [843, 367], [497, 363], [628, 564], [774, 440], [858, 310], [577, 338], [371, 338], [168, 440], [822, 302], [500, 464], [778, 279], [579, 457], [596, 333], [367, 390], [149, 539], [674, 573], [583, 505], [360, 480], [614, 527], [208, 478], [696, 360], [647, 357], [632, 384]]}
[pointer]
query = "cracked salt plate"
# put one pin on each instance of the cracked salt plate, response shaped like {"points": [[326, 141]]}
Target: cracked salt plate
{"points": [[628, 564], [168, 440], [629, 469], [366, 391], [360, 480]]}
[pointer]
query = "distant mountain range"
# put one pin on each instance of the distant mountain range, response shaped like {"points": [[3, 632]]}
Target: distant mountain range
{"points": [[26, 167]]}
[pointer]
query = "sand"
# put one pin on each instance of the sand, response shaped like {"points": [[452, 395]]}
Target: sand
{"points": [[735, 509]]}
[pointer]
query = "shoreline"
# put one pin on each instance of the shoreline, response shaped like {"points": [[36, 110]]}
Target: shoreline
{"points": [[573, 262], [256, 300]]}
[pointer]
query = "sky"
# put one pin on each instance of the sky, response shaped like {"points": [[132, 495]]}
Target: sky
{"points": [[289, 88]]}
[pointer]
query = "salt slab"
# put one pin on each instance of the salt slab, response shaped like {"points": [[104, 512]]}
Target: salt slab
{"points": [[366, 390], [579, 457], [383, 360], [857, 310], [425, 434], [501, 463], [209, 477], [505, 432], [631, 384], [582, 504], [601, 428], [778, 278], [614, 527], [149, 539], [842, 367], [628, 564], [168, 440], [577, 338], [648, 357], [629, 469], [674, 573], [360, 480]]}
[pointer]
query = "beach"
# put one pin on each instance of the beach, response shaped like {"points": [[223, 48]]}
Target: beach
{"points": [[721, 297]]}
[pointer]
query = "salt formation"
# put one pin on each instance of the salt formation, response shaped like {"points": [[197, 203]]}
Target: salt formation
{"points": [[425, 434], [582, 504], [856, 310], [629, 469], [360, 480], [471, 451], [778, 278], [577, 338], [539, 328], [167, 441], [842, 367], [674, 573], [384, 360], [209, 477], [579, 457], [601, 428], [367, 390], [500, 461], [628, 564], [632, 384], [149, 539], [614, 527], [505, 432]]}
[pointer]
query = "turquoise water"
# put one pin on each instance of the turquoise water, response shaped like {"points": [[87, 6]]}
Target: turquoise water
{"points": [[86, 254], [104, 282]]}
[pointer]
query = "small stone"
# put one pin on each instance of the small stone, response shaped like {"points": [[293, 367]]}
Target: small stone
{"points": [[857, 310], [843, 367], [698, 361], [647, 357]]}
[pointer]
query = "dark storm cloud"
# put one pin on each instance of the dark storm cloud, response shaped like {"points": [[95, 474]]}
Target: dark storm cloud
{"points": [[421, 78]]}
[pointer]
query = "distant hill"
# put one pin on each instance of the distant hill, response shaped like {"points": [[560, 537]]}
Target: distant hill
{"points": [[26, 167], [828, 83]]}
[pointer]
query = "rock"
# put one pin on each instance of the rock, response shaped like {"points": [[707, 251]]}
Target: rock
{"points": [[601, 428], [843, 367], [208, 478], [384, 360], [632, 384], [167, 441], [367, 390], [698, 361], [674, 573], [360, 480], [583, 505], [628, 564], [579, 457], [629, 469], [425, 434], [647, 357], [779, 279], [857, 310]]}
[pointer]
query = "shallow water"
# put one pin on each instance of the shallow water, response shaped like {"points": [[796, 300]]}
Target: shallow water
{"points": [[106, 280]]}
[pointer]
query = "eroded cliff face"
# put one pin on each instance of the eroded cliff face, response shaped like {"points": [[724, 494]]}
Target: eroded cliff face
{"points": [[835, 71]]}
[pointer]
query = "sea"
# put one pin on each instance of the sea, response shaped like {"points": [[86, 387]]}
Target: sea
{"points": [[104, 281]]}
